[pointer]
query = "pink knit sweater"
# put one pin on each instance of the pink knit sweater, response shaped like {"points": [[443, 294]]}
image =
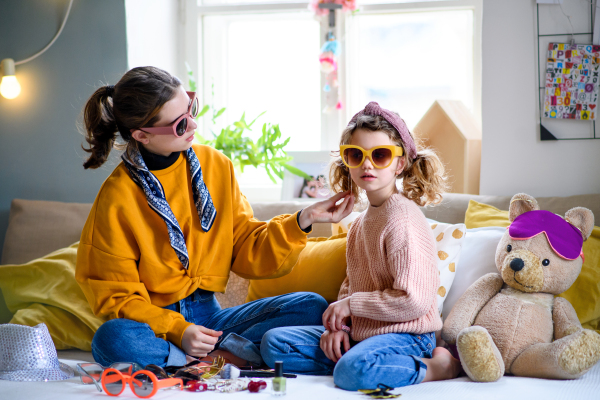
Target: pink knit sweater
{"points": [[392, 271]]}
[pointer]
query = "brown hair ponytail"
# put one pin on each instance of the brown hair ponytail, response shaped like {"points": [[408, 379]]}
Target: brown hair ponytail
{"points": [[134, 102], [100, 127], [424, 179]]}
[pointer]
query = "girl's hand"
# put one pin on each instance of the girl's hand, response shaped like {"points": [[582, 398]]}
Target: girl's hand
{"points": [[336, 313], [327, 211], [198, 341], [331, 344]]}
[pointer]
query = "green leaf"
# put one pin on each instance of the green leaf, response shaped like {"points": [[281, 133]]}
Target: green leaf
{"points": [[254, 120], [191, 80], [218, 113], [297, 171], [203, 111], [269, 173]]}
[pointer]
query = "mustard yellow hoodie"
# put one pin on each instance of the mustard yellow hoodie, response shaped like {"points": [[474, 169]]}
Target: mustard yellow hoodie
{"points": [[128, 269]]}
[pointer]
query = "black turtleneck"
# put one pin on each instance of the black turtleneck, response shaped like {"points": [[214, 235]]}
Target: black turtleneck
{"points": [[157, 162]]}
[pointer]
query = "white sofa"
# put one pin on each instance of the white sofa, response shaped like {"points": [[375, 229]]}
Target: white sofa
{"points": [[38, 227]]}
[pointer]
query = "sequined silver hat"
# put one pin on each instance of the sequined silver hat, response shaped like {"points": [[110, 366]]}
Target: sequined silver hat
{"points": [[28, 354]]}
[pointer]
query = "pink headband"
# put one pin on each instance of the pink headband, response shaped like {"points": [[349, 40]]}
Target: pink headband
{"points": [[374, 109]]}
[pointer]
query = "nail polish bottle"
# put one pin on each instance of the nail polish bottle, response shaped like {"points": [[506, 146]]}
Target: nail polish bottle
{"points": [[278, 386]]}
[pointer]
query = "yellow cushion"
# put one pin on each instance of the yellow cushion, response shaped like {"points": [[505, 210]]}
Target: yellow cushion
{"points": [[584, 294], [45, 290], [480, 215], [321, 268]]}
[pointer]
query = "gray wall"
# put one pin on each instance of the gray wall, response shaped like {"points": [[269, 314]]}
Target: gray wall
{"points": [[40, 146]]}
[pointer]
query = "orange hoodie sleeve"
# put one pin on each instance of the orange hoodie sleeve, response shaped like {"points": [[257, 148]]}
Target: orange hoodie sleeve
{"points": [[263, 249]]}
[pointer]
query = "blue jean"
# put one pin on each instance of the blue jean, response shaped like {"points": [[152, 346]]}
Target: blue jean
{"points": [[393, 359], [124, 340]]}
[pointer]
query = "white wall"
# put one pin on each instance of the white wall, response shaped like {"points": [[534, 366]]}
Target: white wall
{"points": [[152, 34], [513, 157]]}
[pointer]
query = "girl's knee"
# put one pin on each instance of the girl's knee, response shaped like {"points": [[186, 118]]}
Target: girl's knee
{"points": [[349, 373], [312, 301], [114, 336], [273, 346]]}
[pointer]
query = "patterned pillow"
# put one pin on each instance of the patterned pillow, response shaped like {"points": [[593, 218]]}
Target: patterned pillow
{"points": [[449, 239]]}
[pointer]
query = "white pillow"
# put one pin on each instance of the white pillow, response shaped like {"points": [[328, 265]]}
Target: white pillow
{"points": [[477, 259], [449, 240]]}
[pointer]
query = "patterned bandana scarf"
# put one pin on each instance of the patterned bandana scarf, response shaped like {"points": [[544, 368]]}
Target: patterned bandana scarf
{"points": [[157, 201]]}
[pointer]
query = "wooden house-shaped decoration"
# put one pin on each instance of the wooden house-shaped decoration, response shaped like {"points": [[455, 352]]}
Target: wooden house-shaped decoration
{"points": [[452, 130]]}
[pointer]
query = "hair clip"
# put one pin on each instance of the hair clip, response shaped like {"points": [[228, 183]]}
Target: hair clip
{"points": [[382, 392]]}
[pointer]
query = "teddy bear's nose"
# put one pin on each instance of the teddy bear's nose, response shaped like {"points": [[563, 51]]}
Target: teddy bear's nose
{"points": [[517, 264]]}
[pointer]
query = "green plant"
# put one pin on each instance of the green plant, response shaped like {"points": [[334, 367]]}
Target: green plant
{"points": [[268, 151]]}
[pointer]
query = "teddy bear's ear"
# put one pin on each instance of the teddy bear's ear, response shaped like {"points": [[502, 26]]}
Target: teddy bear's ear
{"points": [[581, 218], [520, 204]]}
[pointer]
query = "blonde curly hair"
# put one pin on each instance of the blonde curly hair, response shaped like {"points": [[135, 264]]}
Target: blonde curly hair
{"points": [[424, 179]]}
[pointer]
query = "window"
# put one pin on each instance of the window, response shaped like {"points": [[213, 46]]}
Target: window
{"points": [[257, 56], [265, 63], [408, 60]]}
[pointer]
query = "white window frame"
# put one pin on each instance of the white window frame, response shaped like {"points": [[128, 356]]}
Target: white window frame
{"points": [[190, 50]]}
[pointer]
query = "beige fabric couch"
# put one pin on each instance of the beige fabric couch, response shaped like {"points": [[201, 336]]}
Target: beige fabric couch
{"points": [[37, 228]]}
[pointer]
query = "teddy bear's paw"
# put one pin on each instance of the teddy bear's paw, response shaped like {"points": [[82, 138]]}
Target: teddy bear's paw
{"points": [[581, 354], [479, 355]]}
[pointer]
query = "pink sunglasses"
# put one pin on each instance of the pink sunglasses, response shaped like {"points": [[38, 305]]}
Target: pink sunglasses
{"points": [[179, 126]]}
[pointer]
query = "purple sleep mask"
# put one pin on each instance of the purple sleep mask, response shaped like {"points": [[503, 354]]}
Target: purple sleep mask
{"points": [[565, 239]]}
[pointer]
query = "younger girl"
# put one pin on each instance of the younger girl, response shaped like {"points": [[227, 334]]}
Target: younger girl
{"points": [[168, 227], [382, 328]]}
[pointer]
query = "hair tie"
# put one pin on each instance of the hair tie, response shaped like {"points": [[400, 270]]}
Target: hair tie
{"points": [[109, 90]]}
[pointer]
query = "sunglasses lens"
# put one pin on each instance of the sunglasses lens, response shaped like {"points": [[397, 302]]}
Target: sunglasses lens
{"points": [[93, 371], [142, 385], [125, 368], [156, 370], [113, 383], [353, 157], [381, 157], [181, 127], [195, 108]]}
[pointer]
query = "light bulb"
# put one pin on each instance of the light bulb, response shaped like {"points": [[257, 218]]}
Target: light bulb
{"points": [[10, 88]]}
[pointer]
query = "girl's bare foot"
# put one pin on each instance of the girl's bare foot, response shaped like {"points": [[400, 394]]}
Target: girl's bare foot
{"points": [[441, 366]]}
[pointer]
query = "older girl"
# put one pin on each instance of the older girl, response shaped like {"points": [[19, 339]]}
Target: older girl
{"points": [[167, 228]]}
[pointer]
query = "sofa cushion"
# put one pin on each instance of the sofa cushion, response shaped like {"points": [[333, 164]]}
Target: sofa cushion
{"points": [[480, 215], [36, 228], [45, 290], [321, 268]]}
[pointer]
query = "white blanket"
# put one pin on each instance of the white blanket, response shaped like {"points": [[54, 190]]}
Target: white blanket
{"points": [[322, 387]]}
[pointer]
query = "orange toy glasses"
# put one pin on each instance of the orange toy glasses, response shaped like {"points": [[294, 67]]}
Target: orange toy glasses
{"points": [[143, 384], [179, 126], [380, 156], [90, 373]]}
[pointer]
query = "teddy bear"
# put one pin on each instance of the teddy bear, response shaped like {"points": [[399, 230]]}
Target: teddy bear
{"points": [[510, 322]]}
